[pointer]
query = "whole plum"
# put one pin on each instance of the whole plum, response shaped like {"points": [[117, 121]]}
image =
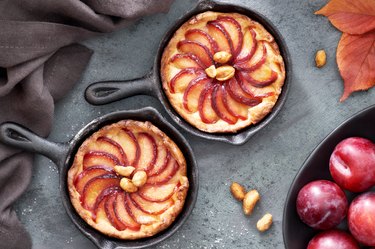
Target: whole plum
{"points": [[321, 204], [333, 239], [352, 164]]}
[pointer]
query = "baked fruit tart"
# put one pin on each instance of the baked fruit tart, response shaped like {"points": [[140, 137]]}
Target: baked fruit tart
{"points": [[128, 180], [222, 71]]}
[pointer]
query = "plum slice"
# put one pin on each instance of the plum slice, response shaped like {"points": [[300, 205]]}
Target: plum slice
{"points": [[94, 188], [88, 174], [129, 142], [99, 206], [110, 146], [234, 31], [187, 60], [111, 213], [219, 107], [151, 207], [148, 151], [265, 77], [199, 50], [235, 91], [161, 162], [100, 210], [249, 46], [95, 158], [249, 88], [165, 175], [206, 112], [250, 66], [137, 214], [158, 193], [221, 36], [181, 80], [203, 38], [235, 108], [122, 214], [192, 93]]}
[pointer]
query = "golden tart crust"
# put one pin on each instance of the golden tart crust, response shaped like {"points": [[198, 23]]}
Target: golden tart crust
{"points": [[169, 189], [241, 114]]}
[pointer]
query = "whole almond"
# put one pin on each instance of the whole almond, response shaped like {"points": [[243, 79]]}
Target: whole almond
{"points": [[251, 198], [127, 185], [211, 71], [320, 58], [237, 191], [124, 170], [222, 57], [265, 222], [224, 73], [139, 178]]}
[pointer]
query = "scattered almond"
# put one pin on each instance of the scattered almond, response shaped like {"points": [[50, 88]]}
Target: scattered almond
{"points": [[320, 58], [224, 73], [211, 71], [139, 178], [237, 191], [124, 170], [249, 201], [265, 222], [127, 185], [222, 57]]}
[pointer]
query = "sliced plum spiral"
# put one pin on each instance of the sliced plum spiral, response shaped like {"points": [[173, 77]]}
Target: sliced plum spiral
{"points": [[198, 65], [96, 190]]}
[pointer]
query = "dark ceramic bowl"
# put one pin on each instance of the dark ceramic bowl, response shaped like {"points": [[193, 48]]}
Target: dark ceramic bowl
{"points": [[297, 234], [63, 154]]}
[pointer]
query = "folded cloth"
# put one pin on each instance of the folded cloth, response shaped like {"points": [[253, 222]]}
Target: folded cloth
{"points": [[40, 61]]}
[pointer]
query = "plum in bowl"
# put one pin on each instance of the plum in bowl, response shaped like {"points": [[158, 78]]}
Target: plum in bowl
{"points": [[296, 233]]}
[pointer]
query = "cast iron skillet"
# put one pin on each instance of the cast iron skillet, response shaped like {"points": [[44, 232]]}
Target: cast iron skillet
{"points": [[109, 91], [62, 155], [296, 233]]}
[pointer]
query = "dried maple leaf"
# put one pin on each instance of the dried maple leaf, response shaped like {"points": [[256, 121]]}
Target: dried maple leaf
{"points": [[356, 61], [350, 16]]}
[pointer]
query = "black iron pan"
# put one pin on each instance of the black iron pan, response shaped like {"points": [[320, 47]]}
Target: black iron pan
{"points": [[62, 155], [109, 91]]}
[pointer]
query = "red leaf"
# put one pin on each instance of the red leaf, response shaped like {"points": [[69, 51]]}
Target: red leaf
{"points": [[350, 16], [356, 61]]}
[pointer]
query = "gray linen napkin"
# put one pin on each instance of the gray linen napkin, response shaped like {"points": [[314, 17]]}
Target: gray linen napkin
{"points": [[40, 61]]}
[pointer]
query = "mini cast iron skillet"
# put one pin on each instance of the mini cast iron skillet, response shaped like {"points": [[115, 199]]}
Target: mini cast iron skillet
{"points": [[316, 167], [63, 154], [109, 91]]}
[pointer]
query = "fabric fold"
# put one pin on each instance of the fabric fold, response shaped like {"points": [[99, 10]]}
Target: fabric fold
{"points": [[40, 61]]}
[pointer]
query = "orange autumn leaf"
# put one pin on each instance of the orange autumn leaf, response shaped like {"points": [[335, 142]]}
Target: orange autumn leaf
{"points": [[356, 61], [350, 16]]}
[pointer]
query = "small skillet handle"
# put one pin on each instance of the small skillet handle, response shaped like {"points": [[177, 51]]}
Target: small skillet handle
{"points": [[105, 92], [15, 135]]}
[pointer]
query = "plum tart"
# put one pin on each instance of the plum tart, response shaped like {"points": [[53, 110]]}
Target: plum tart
{"points": [[222, 71], [128, 180]]}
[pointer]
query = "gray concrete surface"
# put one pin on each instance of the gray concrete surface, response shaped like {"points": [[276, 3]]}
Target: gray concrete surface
{"points": [[268, 162]]}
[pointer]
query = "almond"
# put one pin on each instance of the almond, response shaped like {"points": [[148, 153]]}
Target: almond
{"points": [[251, 198], [320, 58], [222, 57], [224, 73], [211, 71], [127, 185], [265, 222], [237, 191], [124, 170], [139, 178]]}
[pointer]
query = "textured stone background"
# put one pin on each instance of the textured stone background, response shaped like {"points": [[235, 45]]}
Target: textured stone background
{"points": [[268, 162]]}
